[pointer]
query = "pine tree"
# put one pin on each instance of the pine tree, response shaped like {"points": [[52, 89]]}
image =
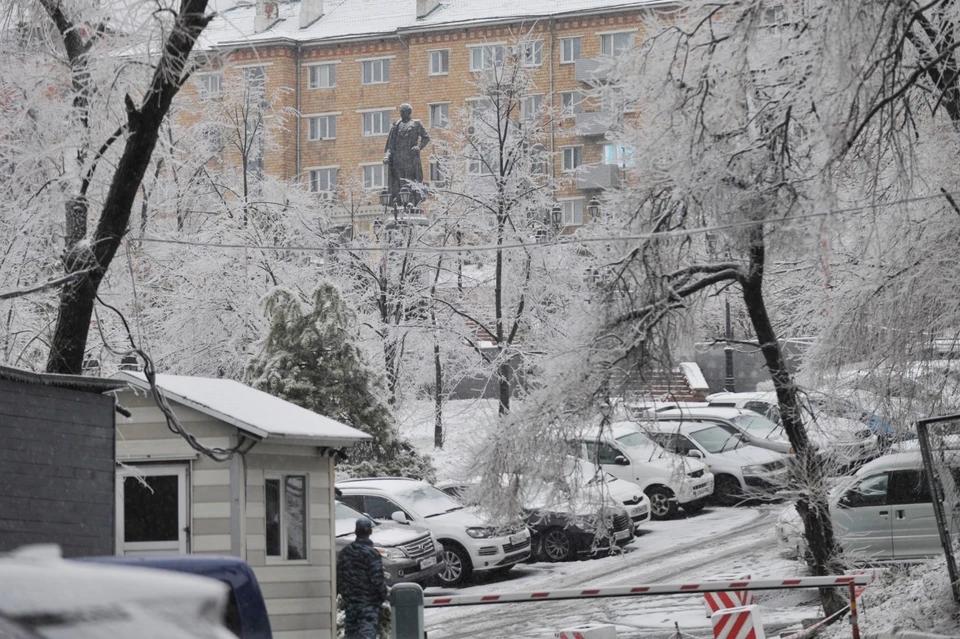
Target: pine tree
{"points": [[309, 358]]}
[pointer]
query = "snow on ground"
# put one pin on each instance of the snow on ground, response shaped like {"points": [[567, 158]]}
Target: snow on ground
{"points": [[915, 598]]}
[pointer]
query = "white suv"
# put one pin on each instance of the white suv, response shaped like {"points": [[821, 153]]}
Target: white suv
{"points": [[469, 544], [668, 480]]}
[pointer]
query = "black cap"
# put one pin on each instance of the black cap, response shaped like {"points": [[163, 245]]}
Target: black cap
{"points": [[364, 527]]}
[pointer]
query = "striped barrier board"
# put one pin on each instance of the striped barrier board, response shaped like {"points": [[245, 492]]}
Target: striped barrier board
{"points": [[737, 623], [714, 601], [787, 583]]}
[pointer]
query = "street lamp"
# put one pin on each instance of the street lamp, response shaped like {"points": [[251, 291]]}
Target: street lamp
{"points": [[593, 208], [556, 213], [405, 195], [385, 198]]}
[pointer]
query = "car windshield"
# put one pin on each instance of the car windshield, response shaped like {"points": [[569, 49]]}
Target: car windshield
{"points": [[636, 440], [716, 439], [346, 519], [758, 426], [428, 501]]}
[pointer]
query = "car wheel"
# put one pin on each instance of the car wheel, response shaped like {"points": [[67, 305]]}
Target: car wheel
{"points": [[457, 568], [726, 490], [662, 503], [557, 545], [693, 507]]}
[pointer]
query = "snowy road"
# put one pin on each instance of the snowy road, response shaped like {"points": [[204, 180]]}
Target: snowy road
{"points": [[716, 541]]}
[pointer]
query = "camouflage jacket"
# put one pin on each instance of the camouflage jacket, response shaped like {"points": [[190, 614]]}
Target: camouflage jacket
{"points": [[360, 574]]}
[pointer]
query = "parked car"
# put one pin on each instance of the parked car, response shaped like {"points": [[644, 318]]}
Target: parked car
{"points": [[740, 470], [410, 552], [44, 596], [564, 525], [883, 512], [851, 436], [625, 493], [469, 543], [246, 612], [757, 430], [669, 481]]}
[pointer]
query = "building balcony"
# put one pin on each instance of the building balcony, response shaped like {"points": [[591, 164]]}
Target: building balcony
{"points": [[598, 176], [593, 123], [593, 70]]}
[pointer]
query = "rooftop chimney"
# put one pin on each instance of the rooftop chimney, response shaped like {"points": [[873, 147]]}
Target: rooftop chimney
{"points": [[424, 7], [267, 13], [310, 12]]}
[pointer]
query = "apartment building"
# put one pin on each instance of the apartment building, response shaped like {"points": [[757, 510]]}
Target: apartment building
{"points": [[345, 65]]}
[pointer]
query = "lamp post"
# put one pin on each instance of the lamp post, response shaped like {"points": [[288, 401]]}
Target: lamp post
{"points": [[729, 382], [556, 216], [593, 209]]}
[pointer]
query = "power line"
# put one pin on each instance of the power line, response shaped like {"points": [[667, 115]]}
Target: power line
{"points": [[485, 248]]}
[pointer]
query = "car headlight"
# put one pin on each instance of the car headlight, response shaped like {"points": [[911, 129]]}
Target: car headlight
{"points": [[391, 553], [480, 532], [754, 469]]}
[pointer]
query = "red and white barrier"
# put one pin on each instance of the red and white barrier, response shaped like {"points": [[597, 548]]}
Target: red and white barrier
{"points": [[597, 631], [737, 623], [714, 601], [788, 583]]}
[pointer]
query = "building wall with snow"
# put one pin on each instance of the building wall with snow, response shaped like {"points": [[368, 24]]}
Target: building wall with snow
{"points": [[56, 463]]}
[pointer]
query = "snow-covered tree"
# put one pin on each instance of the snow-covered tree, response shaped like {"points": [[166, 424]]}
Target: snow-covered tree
{"points": [[309, 357]]}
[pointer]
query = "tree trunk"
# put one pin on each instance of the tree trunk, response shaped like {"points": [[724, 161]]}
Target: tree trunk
{"points": [[808, 472], [437, 395]]}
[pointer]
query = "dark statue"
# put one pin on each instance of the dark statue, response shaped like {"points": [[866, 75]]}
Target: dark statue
{"points": [[402, 155]]}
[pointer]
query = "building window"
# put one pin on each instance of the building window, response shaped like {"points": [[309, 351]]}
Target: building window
{"points": [[531, 108], [440, 62], [437, 172], [572, 212], [571, 102], [254, 81], [569, 50], [572, 157], [482, 110], [323, 127], [376, 123], [211, 85], [483, 160], [486, 57], [286, 517], [373, 176], [618, 155], [613, 44], [440, 115], [533, 53], [376, 71], [323, 180], [322, 76]]}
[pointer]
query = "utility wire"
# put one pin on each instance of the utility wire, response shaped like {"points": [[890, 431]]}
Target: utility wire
{"points": [[150, 372], [486, 248]]}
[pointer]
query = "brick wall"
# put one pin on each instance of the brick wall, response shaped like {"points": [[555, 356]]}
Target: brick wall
{"points": [[56, 469]]}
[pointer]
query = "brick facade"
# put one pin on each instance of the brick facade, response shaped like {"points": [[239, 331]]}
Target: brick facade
{"points": [[411, 81]]}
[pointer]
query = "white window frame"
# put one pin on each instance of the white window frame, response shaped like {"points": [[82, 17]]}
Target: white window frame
{"points": [[532, 54], [623, 156], [563, 51], [331, 75], [316, 117], [443, 56], [486, 62], [576, 106], [612, 36], [575, 153], [525, 114], [282, 557], [446, 116], [152, 547], [383, 175], [571, 219], [435, 164], [384, 66], [385, 121], [205, 91], [316, 169]]}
